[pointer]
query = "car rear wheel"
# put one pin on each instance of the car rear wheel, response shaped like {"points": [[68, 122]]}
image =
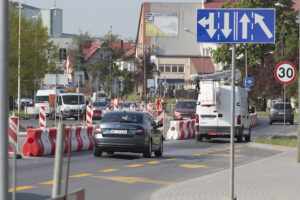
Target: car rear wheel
{"points": [[148, 151], [292, 122], [271, 122], [97, 152], [248, 137], [159, 152]]}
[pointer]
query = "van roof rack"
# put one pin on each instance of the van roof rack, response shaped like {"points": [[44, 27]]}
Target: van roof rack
{"points": [[218, 76]]}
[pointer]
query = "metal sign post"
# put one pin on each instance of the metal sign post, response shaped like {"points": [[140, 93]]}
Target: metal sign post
{"points": [[232, 124]]}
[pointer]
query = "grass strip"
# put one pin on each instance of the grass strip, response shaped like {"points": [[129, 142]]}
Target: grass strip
{"points": [[289, 142]]}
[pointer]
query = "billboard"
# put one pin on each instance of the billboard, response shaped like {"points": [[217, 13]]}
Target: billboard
{"points": [[161, 24]]}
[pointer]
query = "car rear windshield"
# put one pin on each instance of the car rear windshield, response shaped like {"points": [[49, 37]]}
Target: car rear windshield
{"points": [[41, 99], [99, 104], [187, 105], [280, 106], [124, 117]]}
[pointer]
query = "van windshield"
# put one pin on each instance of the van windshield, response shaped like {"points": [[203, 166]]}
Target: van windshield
{"points": [[41, 99], [73, 99], [187, 105]]}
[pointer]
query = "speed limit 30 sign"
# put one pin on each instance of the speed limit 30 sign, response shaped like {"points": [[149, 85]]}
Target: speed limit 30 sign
{"points": [[285, 72]]}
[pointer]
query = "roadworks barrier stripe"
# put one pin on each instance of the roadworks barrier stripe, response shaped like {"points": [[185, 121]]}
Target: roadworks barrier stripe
{"points": [[253, 120], [180, 130], [40, 142]]}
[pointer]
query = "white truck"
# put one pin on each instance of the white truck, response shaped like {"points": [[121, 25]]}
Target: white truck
{"points": [[213, 112], [42, 99]]}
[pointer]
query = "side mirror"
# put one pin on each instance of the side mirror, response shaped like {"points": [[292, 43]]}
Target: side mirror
{"points": [[252, 110], [87, 102], [198, 102]]}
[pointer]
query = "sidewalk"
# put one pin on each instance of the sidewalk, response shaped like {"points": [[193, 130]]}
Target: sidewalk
{"points": [[273, 178]]}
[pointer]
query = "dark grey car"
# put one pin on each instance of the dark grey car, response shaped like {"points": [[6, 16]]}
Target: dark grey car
{"points": [[122, 131], [277, 113]]}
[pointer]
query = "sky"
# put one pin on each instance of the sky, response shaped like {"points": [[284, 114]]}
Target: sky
{"points": [[96, 16]]}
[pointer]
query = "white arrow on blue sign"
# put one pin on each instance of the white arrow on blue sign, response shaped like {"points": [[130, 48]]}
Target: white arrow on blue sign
{"points": [[236, 25]]}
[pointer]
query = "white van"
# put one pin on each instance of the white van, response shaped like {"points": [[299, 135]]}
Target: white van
{"points": [[213, 112], [42, 99], [71, 105]]}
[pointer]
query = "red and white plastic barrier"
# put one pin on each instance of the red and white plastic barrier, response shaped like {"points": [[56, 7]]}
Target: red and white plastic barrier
{"points": [[253, 120], [42, 117], [114, 102], [142, 107], [132, 107], [89, 114], [13, 131], [150, 108], [116, 107], [42, 141], [181, 130], [160, 116]]}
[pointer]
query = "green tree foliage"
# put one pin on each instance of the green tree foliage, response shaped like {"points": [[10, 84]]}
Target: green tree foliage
{"points": [[38, 55]]}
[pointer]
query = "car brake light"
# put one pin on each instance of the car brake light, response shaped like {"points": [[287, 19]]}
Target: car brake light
{"points": [[239, 119], [140, 132], [197, 118], [98, 130]]}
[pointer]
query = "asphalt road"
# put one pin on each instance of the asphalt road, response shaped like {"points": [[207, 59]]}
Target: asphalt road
{"points": [[130, 176]]}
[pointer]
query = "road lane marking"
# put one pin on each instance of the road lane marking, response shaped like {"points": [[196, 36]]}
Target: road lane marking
{"points": [[21, 188], [109, 170], [135, 165], [46, 183], [214, 151], [171, 159], [134, 180], [80, 175], [153, 162], [193, 166], [227, 155]]}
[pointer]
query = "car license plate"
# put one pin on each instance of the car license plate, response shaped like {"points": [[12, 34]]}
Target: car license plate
{"points": [[119, 131], [281, 113]]}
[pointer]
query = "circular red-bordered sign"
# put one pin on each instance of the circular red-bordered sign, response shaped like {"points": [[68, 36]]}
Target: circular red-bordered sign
{"points": [[285, 72]]}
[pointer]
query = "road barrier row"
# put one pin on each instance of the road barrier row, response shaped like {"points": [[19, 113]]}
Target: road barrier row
{"points": [[182, 129], [42, 141], [253, 120]]}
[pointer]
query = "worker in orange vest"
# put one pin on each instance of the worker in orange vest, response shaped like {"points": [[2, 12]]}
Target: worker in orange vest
{"points": [[163, 103], [157, 103]]}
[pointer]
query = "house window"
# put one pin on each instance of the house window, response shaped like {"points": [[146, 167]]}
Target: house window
{"points": [[174, 68], [167, 68], [181, 68], [161, 68]]}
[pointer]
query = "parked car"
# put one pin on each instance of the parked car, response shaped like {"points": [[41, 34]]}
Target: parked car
{"points": [[98, 108], [126, 105], [277, 113], [122, 131], [185, 109]]}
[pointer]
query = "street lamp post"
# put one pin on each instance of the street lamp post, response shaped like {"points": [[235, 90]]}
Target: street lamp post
{"points": [[19, 60], [201, 53], [145, 81]]}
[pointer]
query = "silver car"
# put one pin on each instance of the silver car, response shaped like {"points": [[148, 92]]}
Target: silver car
{"points": [[277, 113]]}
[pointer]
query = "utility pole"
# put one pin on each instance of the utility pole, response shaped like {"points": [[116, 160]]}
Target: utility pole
{"points": [[4, 38], [145, 81], [19, 60]]}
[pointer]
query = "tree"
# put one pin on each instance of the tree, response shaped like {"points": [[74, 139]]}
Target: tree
{"points": [[38, 54]]}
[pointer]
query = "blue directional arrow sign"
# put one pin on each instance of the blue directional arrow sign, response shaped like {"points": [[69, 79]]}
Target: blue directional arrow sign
{"points": [[236, 25], [248, 81]]}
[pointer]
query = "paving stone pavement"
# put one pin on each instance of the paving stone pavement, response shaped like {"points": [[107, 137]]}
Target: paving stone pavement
{"points": [[273, 178]]}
